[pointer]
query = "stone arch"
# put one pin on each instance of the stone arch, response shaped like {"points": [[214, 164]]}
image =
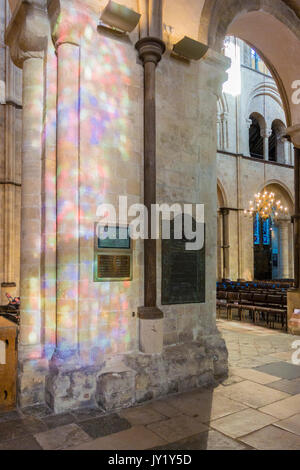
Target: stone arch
{"points": [[222, 197], [282, 190], [266, 88], [255, 21], [282, 231]]}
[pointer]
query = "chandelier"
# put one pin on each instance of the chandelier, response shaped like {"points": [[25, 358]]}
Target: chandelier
{"points": [[266, 206]]}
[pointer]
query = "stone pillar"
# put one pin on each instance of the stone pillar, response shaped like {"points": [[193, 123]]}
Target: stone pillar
{"points": [[10, 212], [151, 318], [287, 156], [247, 140], [29, 28], [226, 246], [66, 31], [284, 249], [67, 186], [27, 38], [150, 49], [265, 134], [294, 294]]}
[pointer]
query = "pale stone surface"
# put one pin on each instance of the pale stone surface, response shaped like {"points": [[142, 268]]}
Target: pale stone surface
{"points": [[291, 424], [62, 437], [284, 408], [151, 336], [142, 415], [242, 423], [272, 438], [206, 406], [136, 438], [255, 376], [177, 428], [252, 394]]}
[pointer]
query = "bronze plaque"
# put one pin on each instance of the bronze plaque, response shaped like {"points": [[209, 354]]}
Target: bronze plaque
{"points": [[113, 267], [183, 273]]}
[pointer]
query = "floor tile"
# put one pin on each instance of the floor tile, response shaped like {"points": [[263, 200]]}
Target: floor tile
{"points": [[24, 443], [207, 406], [210, 440], [104, 425], [233, 379], [9, 416], [34, 425], [58, 420], [165, 408], [272, 438], [284, 408], [291, 424], [136, 438], [177, 428], [142, 415], [288, 386], [252, 394], [12, 430], [87, 413], [255, 376], [242, 423], [283, 370], [61, 438]]}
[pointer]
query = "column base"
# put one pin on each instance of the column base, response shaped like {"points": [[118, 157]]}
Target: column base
{"points": [[293, 319], [151, 323]]}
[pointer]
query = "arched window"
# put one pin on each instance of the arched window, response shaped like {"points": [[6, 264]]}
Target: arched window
{"points": [[276, 145], [256, 142]]}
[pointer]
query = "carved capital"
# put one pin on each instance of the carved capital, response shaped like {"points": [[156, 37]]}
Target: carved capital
{"points": [[266, 133], [27, 32], [68, 19], [150, 49], [294, 133], [213, 71]]}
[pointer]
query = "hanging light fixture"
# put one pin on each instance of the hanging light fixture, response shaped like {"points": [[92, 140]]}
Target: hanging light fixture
{"points": [[266, 206]]}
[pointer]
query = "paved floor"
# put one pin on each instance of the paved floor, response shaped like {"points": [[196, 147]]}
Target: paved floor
{"points": [[258, 407]]}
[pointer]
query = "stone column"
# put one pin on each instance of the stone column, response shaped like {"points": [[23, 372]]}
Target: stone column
{"points": [[284, 249], [247, 140], [226, 246], [150, 49], [265, 134], [294, 294], [66, 38], [26, 36], [287, 157]]}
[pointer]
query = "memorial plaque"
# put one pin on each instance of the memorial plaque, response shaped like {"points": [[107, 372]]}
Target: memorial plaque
{"points": [[113, 254], [113, 238], [113, 267], [183, 273]]}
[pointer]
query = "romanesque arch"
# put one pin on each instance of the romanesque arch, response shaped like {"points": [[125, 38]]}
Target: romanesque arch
{"points": [[255, 21]]}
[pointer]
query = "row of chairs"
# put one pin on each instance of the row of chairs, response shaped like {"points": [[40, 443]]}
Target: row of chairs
{"points": [[266, 285], [271, 308]]}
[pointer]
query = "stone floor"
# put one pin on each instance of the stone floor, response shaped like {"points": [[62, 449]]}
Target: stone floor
{"points": [[258, 407]]}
